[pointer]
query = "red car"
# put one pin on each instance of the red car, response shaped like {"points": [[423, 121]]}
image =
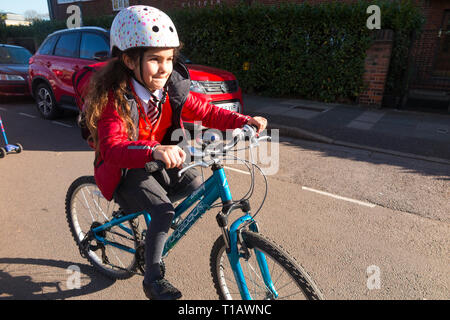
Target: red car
{"points": [[14, 70], [65, 51]]}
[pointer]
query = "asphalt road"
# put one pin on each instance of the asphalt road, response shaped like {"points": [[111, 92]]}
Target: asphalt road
{"points": [[346, 215]]}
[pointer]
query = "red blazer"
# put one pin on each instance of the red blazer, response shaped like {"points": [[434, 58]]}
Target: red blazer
{"points": [[117, 152]]}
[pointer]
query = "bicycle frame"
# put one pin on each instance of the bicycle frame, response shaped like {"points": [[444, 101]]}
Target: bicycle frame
{"points": [[212, 189]]}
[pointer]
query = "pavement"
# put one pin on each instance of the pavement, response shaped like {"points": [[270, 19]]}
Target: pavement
{"points": [[417, 135]]}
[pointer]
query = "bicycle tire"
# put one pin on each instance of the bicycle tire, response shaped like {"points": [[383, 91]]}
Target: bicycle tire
{"points": [[220, 268], [126, 269]]}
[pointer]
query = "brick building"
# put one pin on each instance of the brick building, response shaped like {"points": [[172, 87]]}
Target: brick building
{"points": [[429, 63], [429, 60]]}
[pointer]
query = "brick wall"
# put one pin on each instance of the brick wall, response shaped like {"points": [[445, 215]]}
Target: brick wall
{"points": [[94, 8], [204, 3], [104, 7], [376, 68], [425, 47], [88, 8]]}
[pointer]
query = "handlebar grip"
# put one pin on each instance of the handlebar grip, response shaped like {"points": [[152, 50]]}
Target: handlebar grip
{"points": [[154, 166]]}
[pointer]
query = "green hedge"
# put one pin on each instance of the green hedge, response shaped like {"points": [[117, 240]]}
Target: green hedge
{"points": [[296, 50], [39, 30]]}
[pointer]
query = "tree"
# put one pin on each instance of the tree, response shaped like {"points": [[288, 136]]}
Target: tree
{"points": [[33, 15], [2, 18]]}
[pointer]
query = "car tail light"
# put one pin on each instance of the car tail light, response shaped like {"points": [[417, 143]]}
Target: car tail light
{"points": [[31, 60]]}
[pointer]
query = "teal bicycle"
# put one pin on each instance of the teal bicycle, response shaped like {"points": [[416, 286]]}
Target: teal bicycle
{"points": [[244, 264]]}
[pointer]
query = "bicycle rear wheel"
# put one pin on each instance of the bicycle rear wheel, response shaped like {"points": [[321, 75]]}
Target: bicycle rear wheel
{"points": [[86, 208], [289, 279]]}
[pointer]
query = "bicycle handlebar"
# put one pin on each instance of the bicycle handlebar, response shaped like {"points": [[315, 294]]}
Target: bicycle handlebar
{"points": [[247, 130]]}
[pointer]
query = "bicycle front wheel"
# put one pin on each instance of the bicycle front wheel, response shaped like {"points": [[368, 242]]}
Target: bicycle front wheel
{"points": [[289, 281], [86, 208]]}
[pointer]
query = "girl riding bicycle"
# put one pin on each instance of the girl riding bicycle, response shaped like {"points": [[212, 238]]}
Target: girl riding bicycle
{"points": [[134, 104]]}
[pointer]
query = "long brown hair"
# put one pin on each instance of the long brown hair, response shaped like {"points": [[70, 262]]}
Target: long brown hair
{"points": [[112, 78]]}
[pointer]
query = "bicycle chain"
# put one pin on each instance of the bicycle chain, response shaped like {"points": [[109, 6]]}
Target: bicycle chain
{"points": [[139, 267]]}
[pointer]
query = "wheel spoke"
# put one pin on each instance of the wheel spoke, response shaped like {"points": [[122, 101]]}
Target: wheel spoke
{"points": [[87, 205], [42, 94], [87, 209]]}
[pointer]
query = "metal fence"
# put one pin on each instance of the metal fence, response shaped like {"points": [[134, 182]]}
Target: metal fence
{"points": [[429, 66]]}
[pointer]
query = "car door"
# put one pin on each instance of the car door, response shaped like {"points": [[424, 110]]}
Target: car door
{"points": [[93, 47], [64, 62]]}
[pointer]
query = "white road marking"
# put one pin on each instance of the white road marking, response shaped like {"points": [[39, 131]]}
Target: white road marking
{"points": [[27, 115], [62, 124], [237, 170], [370, 205]]}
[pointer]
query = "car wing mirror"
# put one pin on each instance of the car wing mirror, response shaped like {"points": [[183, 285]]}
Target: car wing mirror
{"points": [[101, 55]]}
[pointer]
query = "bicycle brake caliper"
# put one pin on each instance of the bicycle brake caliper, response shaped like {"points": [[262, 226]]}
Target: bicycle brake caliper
{"points": [[222, 220], [243, 250]]}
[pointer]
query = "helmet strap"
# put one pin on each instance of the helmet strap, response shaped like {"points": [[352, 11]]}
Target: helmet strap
{"points": [[141, 70]]}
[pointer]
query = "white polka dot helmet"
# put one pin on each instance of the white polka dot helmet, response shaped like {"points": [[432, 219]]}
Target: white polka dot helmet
{"points": [[143, 26]]}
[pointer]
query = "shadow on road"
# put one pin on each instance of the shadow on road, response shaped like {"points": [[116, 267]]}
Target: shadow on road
{"points": [[37, 279], [13, 100], [23, 124]]}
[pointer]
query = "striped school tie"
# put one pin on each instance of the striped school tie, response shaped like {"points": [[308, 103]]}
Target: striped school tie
{"points": [[153, 110]]}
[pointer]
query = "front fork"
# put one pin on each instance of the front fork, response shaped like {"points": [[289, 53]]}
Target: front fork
{"points": [[233, 241]]}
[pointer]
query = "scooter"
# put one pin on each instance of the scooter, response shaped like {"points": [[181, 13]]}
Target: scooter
{"points": [[8, 148]]}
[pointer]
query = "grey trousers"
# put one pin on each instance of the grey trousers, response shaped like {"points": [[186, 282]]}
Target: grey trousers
{"points": [[155, 193]]}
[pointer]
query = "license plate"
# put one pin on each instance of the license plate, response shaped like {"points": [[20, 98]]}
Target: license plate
{"points": [[232, 106]]}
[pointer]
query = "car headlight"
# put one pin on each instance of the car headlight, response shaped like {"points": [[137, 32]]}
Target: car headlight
{"points": [[196, 86], [11, 77]]}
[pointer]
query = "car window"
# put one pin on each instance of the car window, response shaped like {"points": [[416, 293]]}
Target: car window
{"points": [[67, 45], [48, 45], [11, 55], [92, 43]]}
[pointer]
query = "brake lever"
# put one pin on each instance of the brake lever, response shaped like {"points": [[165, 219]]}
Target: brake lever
{"points": [[254, 142], [268, 138], [195, 164]]}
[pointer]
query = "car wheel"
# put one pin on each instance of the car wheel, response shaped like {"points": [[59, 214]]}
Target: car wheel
{"points": [[45, 102]]}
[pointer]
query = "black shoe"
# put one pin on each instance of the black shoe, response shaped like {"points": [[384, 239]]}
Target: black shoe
{"points": [[161, 290]]}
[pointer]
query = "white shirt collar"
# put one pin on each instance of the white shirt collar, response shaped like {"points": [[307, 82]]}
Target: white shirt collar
{"points": [[142, 93]]}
